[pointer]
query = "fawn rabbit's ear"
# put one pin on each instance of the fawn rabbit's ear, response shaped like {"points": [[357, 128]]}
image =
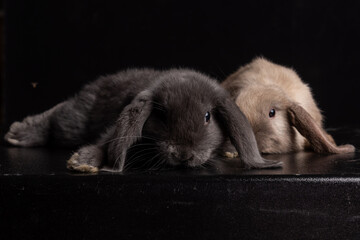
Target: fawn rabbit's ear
{"points": [[239, 130], [128, 130], [319, 140]]}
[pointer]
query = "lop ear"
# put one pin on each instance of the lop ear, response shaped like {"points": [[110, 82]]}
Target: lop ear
{"points": [[319, 140], [128, 130], [239, 130]]}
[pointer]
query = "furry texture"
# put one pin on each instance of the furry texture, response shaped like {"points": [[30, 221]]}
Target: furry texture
{"points": [[261, 86], [175, 117]]}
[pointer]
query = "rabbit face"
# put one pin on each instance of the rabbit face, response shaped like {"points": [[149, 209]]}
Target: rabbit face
{"points": [[266, 109], [182, 122]]}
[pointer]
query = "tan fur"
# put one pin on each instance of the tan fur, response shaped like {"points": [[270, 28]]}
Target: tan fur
{"points": [[261, 86]]}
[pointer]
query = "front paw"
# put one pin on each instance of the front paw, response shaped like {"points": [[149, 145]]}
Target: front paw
{"points": [[231, 154], [74, 163], [24, 134], [88, 159]]}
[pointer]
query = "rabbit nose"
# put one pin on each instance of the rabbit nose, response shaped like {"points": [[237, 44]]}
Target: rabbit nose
{"points": [[186, 157], [183, 156]]}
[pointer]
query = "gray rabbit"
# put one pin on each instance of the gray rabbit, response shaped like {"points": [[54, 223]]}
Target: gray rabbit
{"points": [[180, 116]]}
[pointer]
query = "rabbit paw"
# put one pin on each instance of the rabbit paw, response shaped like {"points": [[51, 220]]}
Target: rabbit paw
{"points": [[231, 154], [24, 134], [347, 148], [87, 159], [74, 163]]}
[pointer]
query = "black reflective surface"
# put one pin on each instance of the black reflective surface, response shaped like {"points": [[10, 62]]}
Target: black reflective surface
{"points": [[312, 197]]}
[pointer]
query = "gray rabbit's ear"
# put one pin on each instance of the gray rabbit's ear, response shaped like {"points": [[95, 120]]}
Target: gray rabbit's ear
{"points": [[319, 140], [128, 130], [239, 130]]}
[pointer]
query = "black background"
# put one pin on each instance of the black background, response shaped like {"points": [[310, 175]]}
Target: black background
{"points": [[63, 44]]}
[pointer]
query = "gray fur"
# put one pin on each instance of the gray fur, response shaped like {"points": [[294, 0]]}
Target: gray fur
{"points": [[160, 110]]}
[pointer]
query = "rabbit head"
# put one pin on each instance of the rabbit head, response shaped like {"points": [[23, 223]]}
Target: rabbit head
{"points": [[185, 117], [183, 120], [266, 110]]}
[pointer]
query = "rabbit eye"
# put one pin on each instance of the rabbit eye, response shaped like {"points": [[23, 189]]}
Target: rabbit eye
{"points": [[207, 117], [272, 113]]}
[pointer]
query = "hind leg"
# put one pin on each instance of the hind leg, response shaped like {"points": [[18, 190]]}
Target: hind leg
{"points": [[32, 131], [64, 124]]}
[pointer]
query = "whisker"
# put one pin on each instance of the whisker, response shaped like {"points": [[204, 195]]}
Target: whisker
{"points": [[139, 155], [157, 103], [148, 147], [156, 164], [138, 148], [159, 108], [141, 145], [150, 161], [144, 137], [116, 161], [126, 160], [161, 162], [136, 160], [140, 151]]}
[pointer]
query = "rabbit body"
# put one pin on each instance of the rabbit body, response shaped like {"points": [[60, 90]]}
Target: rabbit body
{"points": [[262, 86], [177, 117]]}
